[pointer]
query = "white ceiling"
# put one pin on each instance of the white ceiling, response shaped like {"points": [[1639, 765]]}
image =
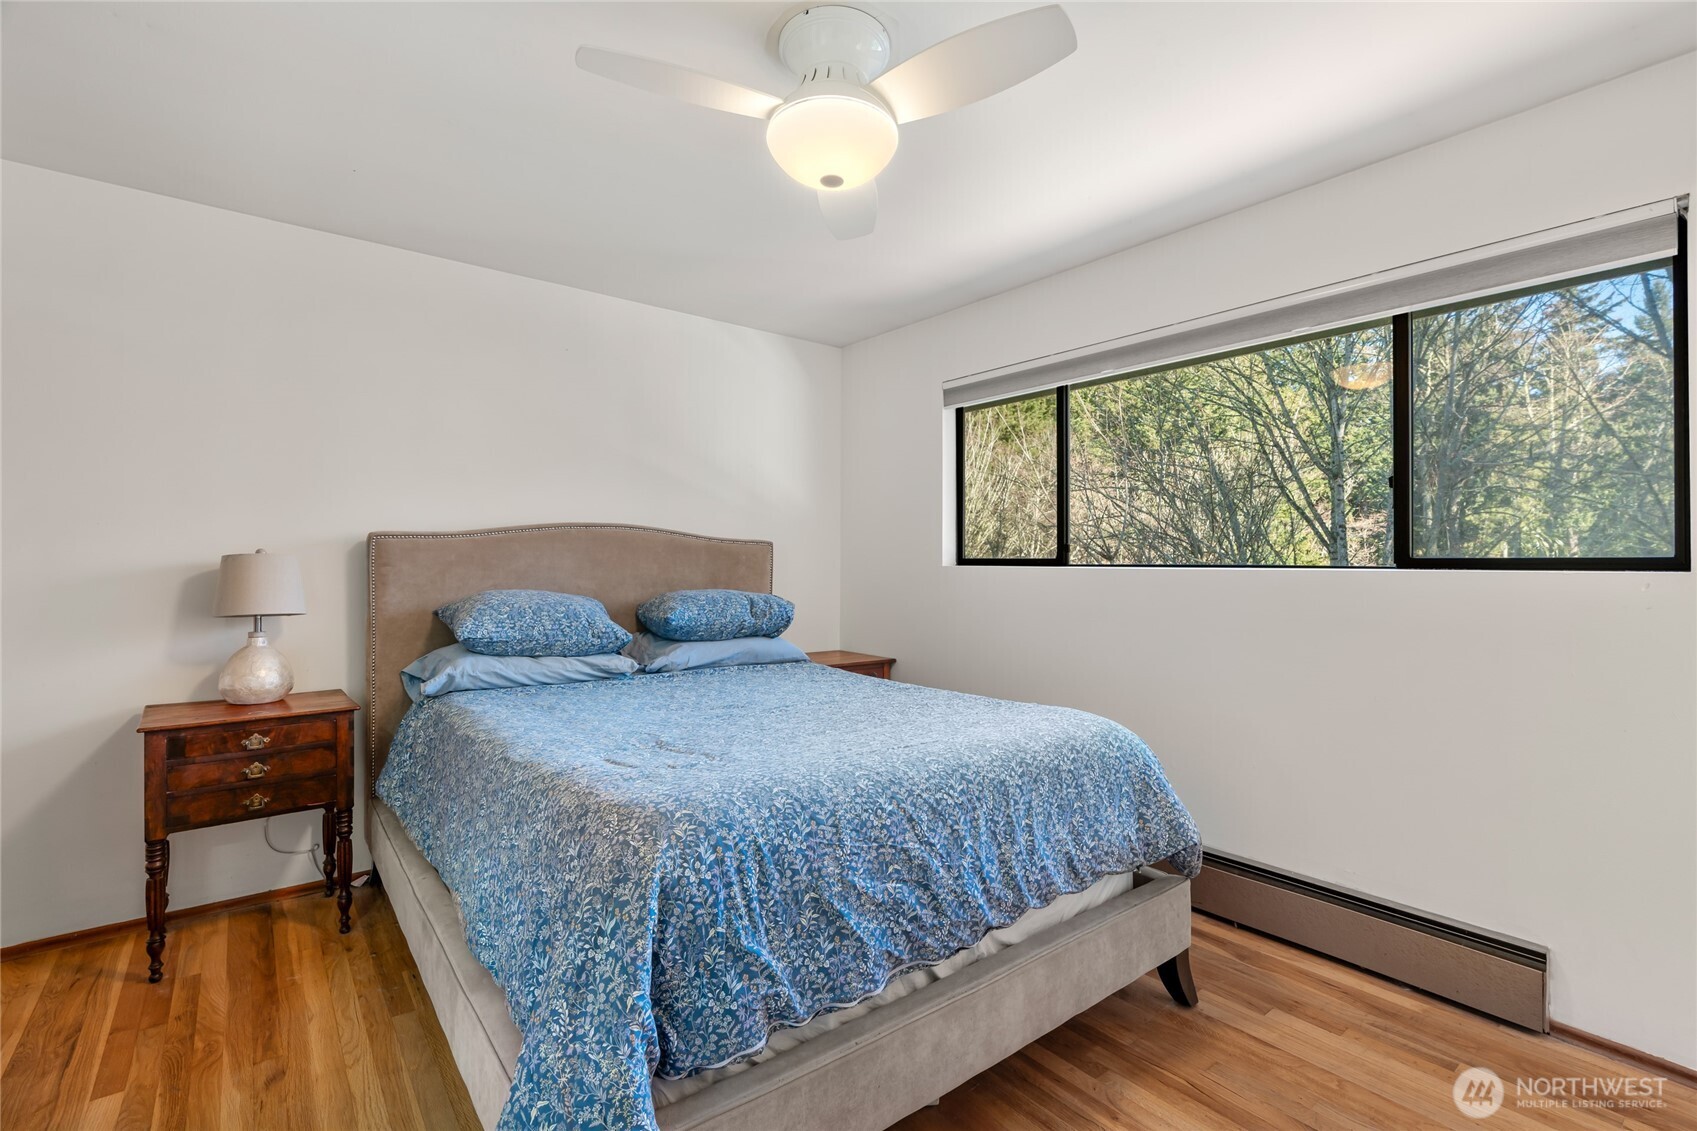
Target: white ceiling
{"points": [[463, 130]]}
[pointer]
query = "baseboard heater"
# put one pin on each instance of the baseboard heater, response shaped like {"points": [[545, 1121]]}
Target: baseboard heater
{"points": [[1494, 974]]}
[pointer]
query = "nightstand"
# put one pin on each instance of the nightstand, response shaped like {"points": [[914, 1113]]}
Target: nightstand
{"points": [[215, 762], [859, 662]]}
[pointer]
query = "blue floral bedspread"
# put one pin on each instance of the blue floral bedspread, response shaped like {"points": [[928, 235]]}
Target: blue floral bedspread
{"points": [[659, 871]]}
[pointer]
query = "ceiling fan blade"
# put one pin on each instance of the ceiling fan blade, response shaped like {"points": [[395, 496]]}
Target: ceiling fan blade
{"points": [[977, 63], [850, 213], [678, 82]]}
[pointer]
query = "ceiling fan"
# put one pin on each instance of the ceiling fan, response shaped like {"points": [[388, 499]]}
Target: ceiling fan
{"points": [[838, 129]]}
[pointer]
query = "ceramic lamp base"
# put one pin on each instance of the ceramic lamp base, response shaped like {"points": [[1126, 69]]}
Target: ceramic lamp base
{"points": [[257, 673]]}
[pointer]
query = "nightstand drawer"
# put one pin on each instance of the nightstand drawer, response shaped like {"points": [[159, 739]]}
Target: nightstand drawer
{"points": [[214, 807], [879, 670], [258, 740], [263, 767]]}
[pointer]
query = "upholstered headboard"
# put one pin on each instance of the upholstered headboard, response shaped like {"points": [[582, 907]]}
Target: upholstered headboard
{"points": [[413, 574]]}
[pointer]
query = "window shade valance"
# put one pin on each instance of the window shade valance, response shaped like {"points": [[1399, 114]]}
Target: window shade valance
{"points": [[1618, 239]]}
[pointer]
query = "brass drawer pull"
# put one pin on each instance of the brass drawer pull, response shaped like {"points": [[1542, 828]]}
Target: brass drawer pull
{"points": [[257, 801], [255, 740], [257, 770]]}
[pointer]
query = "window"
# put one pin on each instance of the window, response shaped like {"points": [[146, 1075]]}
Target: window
{"points": [[1277, 457], [1010, 469], [1542, 429], [1542, 426]]}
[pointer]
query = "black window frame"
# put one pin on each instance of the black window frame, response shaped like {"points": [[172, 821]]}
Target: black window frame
{"points": [[1063, 487], [1401, 484]]}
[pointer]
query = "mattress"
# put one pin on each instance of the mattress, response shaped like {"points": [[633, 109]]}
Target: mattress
{"points": [[664, 872]]}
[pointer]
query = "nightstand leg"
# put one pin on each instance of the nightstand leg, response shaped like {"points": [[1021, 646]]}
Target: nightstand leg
{"points": [[329, 850], [344, 864], [158, 874]]}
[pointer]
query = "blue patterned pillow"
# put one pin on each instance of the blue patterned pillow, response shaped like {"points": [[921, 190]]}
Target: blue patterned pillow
{"points": [[715, 614], [532, 622]]}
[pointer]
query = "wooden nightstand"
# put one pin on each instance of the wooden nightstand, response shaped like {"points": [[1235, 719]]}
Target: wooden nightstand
{"points": [[854, 662], [215, 762]]}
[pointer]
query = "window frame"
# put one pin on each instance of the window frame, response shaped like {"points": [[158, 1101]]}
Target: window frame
{"points": [[1063, 488], [1402, 437], [1401, 482]]}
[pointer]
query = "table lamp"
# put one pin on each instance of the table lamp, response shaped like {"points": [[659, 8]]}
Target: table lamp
{"points": [[258, 585]]}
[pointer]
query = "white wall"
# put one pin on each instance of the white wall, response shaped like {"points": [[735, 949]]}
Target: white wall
{"points": [[182, 382], [1518, 751]]}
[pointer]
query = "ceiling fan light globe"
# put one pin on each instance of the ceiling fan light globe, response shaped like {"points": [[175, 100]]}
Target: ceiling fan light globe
{"points": [[832, 141]]}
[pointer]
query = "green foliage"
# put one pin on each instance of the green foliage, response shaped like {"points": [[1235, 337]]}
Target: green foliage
{"points": [[1263, 458], [1543, 425], [1009, 498]]}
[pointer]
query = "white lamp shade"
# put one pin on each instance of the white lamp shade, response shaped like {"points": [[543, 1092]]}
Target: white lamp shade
{"points": [[259, 585], [832, 141]]}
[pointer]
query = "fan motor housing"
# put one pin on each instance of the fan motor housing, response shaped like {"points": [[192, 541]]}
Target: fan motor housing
{"points": [[817, 42]]}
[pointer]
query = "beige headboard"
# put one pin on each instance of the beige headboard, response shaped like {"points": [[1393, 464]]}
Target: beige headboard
{"points": [[413, 574]]}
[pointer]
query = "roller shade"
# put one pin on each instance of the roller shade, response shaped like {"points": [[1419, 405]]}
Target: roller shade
{"points": [[1619, 239]]}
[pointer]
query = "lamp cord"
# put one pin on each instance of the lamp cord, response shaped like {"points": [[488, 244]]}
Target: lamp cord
{"points": [[270, 844]]}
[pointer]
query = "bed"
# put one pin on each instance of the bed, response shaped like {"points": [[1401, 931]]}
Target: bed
{"points": [[928, 1034]]}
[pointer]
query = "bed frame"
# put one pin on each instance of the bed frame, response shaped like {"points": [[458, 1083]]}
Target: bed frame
{"points": [[862, 1076]]}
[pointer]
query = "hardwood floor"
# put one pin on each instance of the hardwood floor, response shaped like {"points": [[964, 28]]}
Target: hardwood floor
{"points": [[1281, 1039], [269, 1019]]}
